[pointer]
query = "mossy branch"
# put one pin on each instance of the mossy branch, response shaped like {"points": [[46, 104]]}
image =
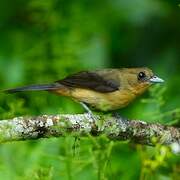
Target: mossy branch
{"points": [[116, 128]]}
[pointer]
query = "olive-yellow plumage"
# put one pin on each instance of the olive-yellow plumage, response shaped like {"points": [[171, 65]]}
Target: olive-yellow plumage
{"points": [[105, 90]]}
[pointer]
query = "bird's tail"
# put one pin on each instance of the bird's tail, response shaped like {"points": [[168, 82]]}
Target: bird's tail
{"points": [[37, 87]]}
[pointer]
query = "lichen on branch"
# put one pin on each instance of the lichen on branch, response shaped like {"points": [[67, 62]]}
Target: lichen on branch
{"points": [[115, 128]]}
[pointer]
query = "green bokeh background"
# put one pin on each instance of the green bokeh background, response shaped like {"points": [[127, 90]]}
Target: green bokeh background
{"points": [[44, 40]]}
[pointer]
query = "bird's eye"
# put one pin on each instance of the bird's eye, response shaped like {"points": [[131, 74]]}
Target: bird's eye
{"points": [[141, 76]]}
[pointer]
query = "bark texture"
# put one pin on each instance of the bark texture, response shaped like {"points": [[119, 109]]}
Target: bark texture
{"points": [[116, 128]]}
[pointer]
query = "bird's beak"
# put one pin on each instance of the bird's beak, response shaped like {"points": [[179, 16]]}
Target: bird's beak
{"points": [[155, 79]]}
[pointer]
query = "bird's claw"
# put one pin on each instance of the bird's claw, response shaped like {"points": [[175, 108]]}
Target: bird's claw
{"points": [[89, 112]]}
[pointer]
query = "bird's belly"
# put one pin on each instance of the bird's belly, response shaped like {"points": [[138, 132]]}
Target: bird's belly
{"points": [[103, 101]]}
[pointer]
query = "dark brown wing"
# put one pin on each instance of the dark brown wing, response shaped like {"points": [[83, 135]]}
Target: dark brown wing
{"points": [[91, 80]]}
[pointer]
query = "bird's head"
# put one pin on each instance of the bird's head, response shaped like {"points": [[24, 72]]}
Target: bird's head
{"points": [[139, 79]]}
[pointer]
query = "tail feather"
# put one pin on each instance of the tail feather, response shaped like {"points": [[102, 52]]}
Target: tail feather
{"points": [[37, 87]]}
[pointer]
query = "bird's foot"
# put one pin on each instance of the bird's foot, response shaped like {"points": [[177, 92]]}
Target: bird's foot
{"points": [[89, 112], [93, 117]]}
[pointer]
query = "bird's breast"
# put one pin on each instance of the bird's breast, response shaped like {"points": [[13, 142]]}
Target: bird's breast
{"points": [[103, 101]]}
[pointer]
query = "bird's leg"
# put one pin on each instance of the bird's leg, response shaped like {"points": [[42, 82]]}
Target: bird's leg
{"points": [[86, 108], [88, 111]]}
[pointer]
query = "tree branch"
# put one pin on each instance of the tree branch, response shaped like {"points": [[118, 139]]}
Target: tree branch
{"points": [[116, 128]]}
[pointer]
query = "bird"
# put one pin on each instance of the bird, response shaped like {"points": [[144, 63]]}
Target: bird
{"points": [[103, 89]]}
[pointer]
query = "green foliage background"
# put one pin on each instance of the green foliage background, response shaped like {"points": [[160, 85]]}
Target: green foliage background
{"points": [[45, 40]]}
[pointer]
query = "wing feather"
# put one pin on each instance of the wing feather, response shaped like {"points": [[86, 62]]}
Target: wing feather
{"points": [[91, 80]]}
